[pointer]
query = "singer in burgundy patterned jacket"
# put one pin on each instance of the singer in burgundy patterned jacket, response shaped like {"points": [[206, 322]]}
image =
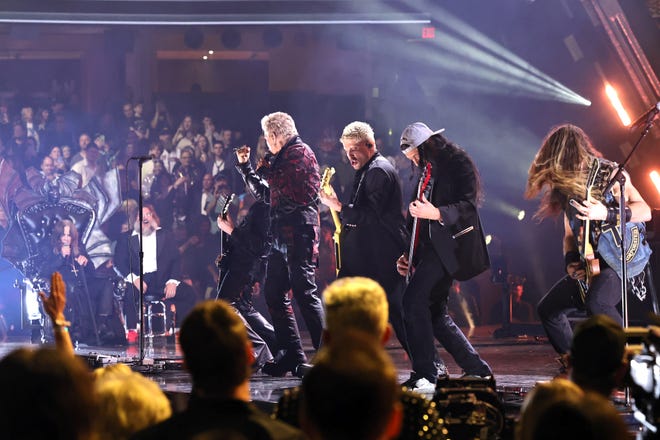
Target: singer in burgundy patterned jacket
{"points": [[290, 183]]}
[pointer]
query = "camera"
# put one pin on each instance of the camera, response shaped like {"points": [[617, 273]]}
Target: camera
{"points": [[645, 385]]}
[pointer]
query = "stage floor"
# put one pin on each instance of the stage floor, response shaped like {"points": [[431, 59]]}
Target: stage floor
{"points": [[518, 362]]}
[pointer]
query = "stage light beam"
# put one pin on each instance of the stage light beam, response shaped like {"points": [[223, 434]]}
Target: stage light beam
{"points": [[613, 96], [655, 178]]}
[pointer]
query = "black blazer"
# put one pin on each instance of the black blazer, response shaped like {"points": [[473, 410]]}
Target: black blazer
{"points": [[374, 231], [167, 258], [459, 239]]}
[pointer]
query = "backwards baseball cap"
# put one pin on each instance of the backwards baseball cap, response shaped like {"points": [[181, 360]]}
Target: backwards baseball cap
{"points": [[415, 135]]}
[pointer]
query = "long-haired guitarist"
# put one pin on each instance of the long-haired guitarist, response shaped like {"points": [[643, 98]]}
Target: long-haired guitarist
{"points": [[373, 232], [569, 175], [449, 246]]}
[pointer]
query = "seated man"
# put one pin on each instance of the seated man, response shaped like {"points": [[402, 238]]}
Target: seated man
{"points": [[352, 392], [218, 355], [597, 356], [359, 304], [561, 410], [161, 266]]}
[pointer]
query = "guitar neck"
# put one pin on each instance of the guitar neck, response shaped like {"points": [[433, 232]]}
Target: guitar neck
{"points": [[335, 219], [587, 249]]}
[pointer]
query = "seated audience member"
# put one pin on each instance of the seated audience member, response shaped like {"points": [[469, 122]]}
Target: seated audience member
{"points": [[593, 418], [539, 399], [128, 402], [359, 304], [352, 392], [46, 394], [561, 410], [218, 355], [597, 356]]}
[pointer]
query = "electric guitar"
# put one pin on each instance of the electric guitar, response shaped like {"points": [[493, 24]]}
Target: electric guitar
{"points": [[414, 236], [591, 263], [326, 188], [223, 215]]}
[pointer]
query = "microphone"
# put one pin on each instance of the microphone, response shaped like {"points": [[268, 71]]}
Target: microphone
{"points": [[647, 117], [143, 158]]}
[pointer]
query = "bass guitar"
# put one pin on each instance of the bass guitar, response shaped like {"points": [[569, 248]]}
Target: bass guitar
{"points": [[414, 236], [587, 254], [326, 188]]}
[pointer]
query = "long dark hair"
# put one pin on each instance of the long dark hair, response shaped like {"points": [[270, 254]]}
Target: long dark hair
{"points": [[438, 150], [58, 232]]}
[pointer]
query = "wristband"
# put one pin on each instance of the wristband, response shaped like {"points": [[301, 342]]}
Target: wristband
{"points": [[571, 257], [61, 323], [612, 215]]}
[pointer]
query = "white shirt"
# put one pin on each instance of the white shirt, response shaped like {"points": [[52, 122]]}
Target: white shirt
{"points": [[150, 261], [218, 165], [85, 170], [205, 197]]}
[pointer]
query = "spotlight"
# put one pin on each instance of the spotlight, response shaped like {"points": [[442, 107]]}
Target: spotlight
{"points": [[484, 64], [489, 238], [613, 96], [211, 52], [655, 178], [205, 57], [521, 215]]}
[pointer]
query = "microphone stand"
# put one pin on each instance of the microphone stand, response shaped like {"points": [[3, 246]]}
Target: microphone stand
{"points": [[88, 301], [140, 160], [620, 178]]}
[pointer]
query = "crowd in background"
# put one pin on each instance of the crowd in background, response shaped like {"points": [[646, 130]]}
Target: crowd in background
{"points": [[187, 181]]}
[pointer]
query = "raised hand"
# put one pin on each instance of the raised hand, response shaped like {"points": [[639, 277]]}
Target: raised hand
{"points": [[243, 154], [55, 303]]}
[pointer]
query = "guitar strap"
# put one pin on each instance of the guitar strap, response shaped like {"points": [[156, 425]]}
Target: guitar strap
{"points": [[425, 187]]}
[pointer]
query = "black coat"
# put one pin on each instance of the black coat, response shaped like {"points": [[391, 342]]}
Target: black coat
{"points": [[374, 233], [218, 418], [459, 238], [167, 258]]}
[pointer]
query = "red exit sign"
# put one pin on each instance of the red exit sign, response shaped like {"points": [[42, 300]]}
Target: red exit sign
{"points": [[428, 32]]}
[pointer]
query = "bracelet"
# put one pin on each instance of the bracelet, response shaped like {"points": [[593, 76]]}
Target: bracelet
{"points": [[612, 215], [571, 257], [61, 323]]}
